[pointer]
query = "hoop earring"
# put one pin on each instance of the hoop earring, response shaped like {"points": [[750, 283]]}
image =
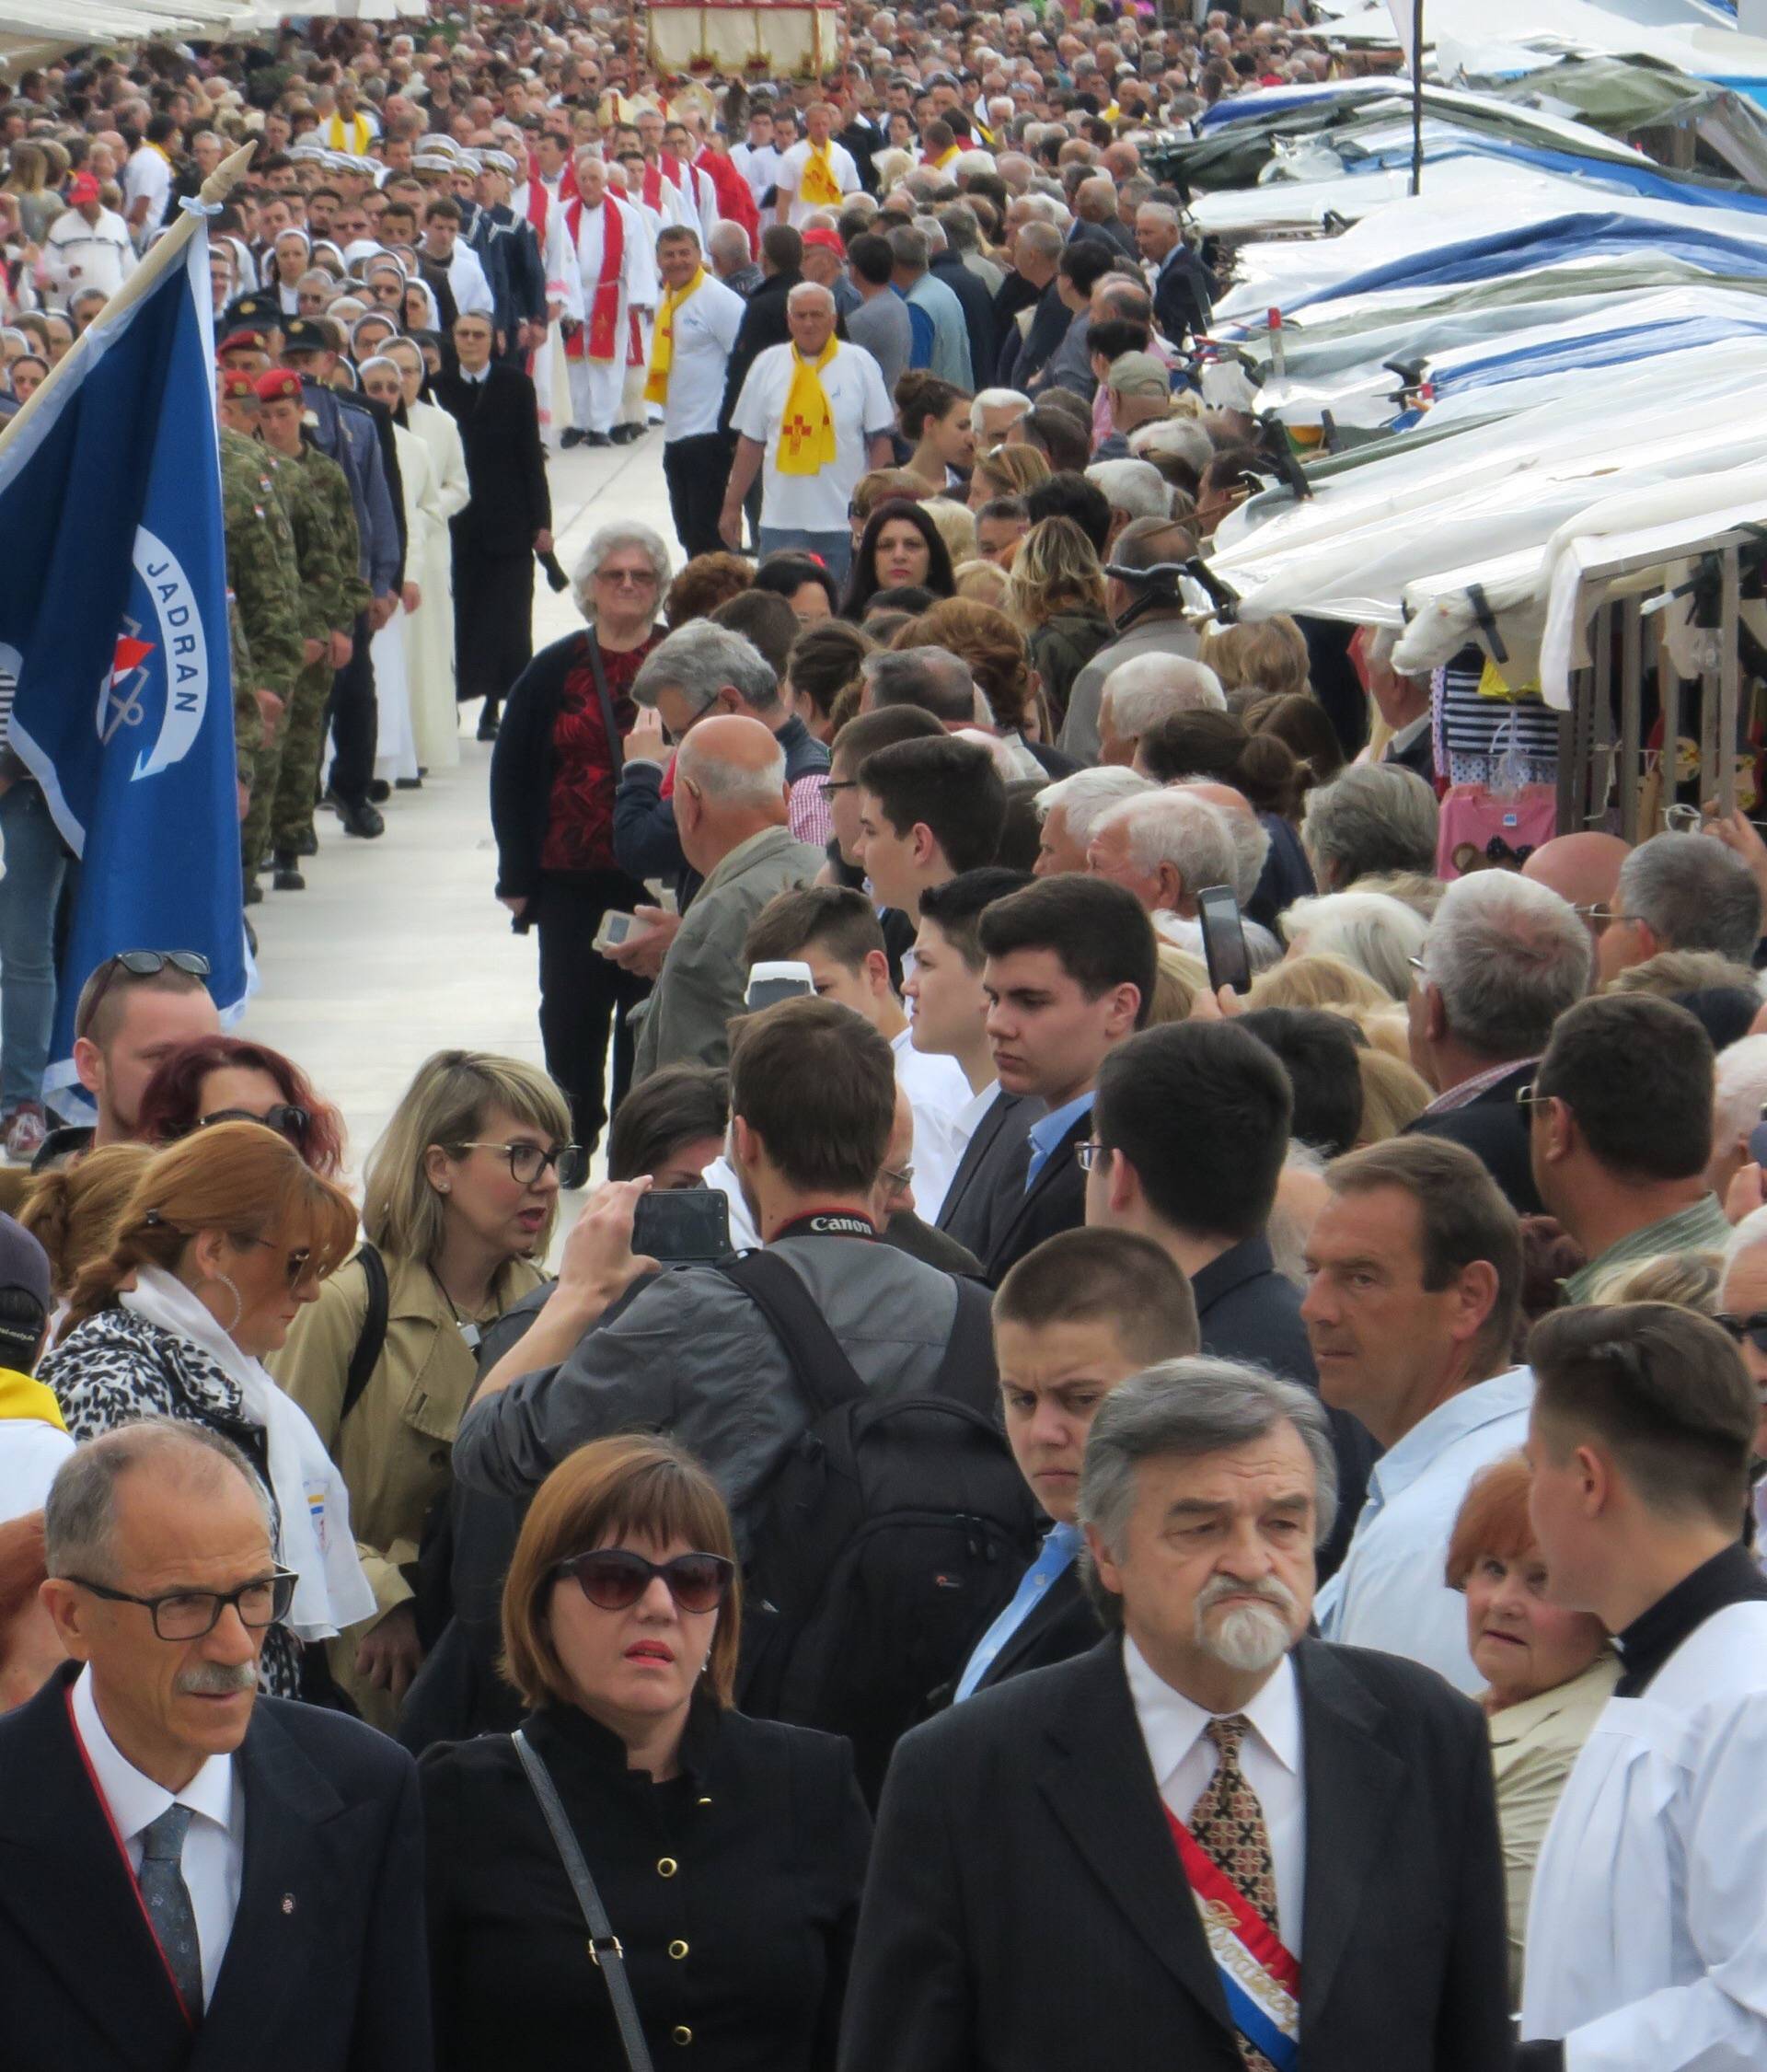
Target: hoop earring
{"points": [[238, 1300]]}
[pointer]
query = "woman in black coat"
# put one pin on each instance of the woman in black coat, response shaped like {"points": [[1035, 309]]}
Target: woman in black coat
{"points": [[728, 1853]]}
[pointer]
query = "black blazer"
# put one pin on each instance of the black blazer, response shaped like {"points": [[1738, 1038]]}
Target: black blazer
{"points": [[968, 1206], [745, 1942], [500, 428], [325, 1968], [1181, 298], [1419, 757], [971, 290], [1061, 1625], [763, 325], [1026, 1910], [1496, 1132], [1023, 1217]]}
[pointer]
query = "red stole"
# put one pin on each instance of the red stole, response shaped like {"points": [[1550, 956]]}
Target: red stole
{"points": [[602, 329], [537, 210], [652, 188]]}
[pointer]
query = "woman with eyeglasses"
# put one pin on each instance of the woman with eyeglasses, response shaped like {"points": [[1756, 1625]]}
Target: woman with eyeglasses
{"points": [[220, 1079], [459, 1199], [553, 775], [225, 1239], [728, 1853]]}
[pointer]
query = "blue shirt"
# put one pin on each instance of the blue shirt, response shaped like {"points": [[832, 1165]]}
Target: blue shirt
{"points": [[921, 333], [1048, 1131], [1057, 1553]]}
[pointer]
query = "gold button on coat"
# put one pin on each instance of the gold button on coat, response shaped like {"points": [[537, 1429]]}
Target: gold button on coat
{"points": [[677, 1950], [667, 1868], [680, 2035]]}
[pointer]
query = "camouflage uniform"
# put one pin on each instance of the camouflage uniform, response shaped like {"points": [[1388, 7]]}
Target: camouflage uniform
{"points": [[324, 519], [264, 578]]}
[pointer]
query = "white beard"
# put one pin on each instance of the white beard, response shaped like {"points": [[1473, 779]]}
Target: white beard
{"points": [[1250, 1638]]}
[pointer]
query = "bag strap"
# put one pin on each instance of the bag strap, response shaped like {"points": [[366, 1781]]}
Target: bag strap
{"points": [[821, 1368], [604, 1944], [971, 1345], [616, 754], [371, 1341]]}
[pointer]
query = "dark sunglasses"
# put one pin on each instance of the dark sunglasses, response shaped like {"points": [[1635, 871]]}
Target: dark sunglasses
{"points": [[141, 964], [1754, 1328], [286, 1118], [613, 1578], [298, 1265]]}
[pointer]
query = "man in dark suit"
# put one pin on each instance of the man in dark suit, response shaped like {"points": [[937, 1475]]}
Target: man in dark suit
{"points": [[1209, 1836], [764, 321], [507, 521], [1180, 282], [1505, 957], [193, 1878], [1069, 975], [1191, 1124], [947, 265], [1083, 1312]]}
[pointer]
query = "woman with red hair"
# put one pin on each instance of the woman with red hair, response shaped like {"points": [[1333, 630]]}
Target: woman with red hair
{"points": [[220, 1079]]}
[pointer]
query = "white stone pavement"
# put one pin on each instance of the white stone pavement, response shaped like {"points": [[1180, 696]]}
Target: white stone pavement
{"points": [[398, 947]]}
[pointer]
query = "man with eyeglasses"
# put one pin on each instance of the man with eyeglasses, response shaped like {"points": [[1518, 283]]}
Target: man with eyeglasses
{"points": [[1742, 1311], [135, 1925], [132, 1012]]}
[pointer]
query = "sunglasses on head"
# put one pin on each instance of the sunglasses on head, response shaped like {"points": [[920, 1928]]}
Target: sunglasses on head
{"points": [[613, 1578], [142, 963], [286, 1118]]}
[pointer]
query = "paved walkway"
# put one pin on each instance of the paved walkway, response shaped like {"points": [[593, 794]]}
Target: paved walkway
{"points": [[398, 947]]}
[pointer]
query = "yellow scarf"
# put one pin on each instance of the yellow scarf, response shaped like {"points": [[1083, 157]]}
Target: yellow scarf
{"points": [[21, 1397], [807, 429], [656, 384], [361, 136], [818, 186], [945, 157]]}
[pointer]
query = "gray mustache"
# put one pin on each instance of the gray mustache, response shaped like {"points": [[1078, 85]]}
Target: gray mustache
{"points": [[216, 1679], [1269, 1593]]}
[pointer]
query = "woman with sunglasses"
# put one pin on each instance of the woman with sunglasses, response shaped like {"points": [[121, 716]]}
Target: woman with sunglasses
{"points": [[727, 1852], [224, 1240], [220, 1079], [459, 1199]]}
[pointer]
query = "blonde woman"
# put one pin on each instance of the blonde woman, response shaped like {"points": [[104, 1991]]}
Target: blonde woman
{"points": [[1319, 979], [461, 1194], [1006, 471], [1056, 591], [957, 526], [1270, 653]]}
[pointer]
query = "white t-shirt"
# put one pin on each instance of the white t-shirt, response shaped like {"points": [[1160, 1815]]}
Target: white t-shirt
{"points": [[938, 1093], [861, 411], [790, 174], [30, 1452], [758, 164], [705, 330], [147, 173]]}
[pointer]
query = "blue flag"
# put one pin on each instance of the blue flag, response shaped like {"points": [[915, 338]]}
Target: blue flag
{"points": [[113, 620]]}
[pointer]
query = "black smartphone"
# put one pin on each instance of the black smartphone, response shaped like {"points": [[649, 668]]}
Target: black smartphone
{"points": [[683, 1226], [1758, 1139], [1223, 939]]}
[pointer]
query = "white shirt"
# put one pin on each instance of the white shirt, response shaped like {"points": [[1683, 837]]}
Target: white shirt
{"points": [[789, 175], [758, 164], [81, 255], [861, 411], [705, 329], [1647, 1925], [466, 282], [214, 1847], [1390, 1592], [937, 1090], [30, 1452], [148, 172], [968, 1120], [1270, 1756]]}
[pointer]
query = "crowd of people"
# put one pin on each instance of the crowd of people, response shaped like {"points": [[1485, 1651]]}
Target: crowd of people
{"points": [[1152, 1450]]}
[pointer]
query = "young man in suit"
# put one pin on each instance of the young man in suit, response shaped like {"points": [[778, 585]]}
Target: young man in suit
{"points": [[1191, 1128], [192, 1875], [1125, 1860], [1069, 975], [944, 987], [1083, 1312]]}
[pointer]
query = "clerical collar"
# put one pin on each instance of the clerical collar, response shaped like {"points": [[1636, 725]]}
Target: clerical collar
{"points": [[827, 1222], [1730, 1577]]}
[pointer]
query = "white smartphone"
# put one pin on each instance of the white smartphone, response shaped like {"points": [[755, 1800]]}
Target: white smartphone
{"points": [[618, 929], [769, 983]]}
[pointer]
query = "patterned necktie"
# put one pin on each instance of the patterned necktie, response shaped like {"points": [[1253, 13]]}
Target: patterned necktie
{"points": [[1228, 1823], [168, 1901]]}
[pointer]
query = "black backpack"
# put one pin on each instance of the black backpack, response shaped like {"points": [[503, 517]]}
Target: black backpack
{"points": [[890, 1537]]}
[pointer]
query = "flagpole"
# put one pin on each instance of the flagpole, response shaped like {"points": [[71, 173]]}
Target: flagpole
{"points": [[1417, 96], [156, 263]]}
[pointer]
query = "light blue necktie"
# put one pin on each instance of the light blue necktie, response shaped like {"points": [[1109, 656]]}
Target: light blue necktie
{"points": [[168, 1901], [1055, 1555]]}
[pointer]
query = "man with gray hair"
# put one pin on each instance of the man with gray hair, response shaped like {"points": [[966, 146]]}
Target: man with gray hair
{"points": [[1161, 626], [1141, 693], [730, 813], [932, 677], [136, 1926], [1505, 958], [1180, 281], [1095, 217], [1679, 893], [1072, 807], [732, 260], [1130, 1845], [993, 415], [1371, 819], [1166, 847], [1137, 391], [942, 335]]}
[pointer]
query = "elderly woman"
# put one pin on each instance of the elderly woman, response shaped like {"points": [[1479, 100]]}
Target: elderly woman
{"points": [[227, 1236], [727, 1852], [553, 775], [1548, 1672], [1377, 934]]}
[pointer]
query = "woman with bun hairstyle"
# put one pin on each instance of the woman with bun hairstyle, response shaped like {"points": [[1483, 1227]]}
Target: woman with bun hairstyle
{"points": [[72, 1210], [934, 417]]}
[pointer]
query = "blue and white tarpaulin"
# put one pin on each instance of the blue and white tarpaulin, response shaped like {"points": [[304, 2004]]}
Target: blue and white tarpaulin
{"points": [[113, 620]]}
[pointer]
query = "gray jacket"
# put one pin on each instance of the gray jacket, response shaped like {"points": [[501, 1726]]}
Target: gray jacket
{"points": [[692, 1356], [1150, 636], [703, 976]]}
